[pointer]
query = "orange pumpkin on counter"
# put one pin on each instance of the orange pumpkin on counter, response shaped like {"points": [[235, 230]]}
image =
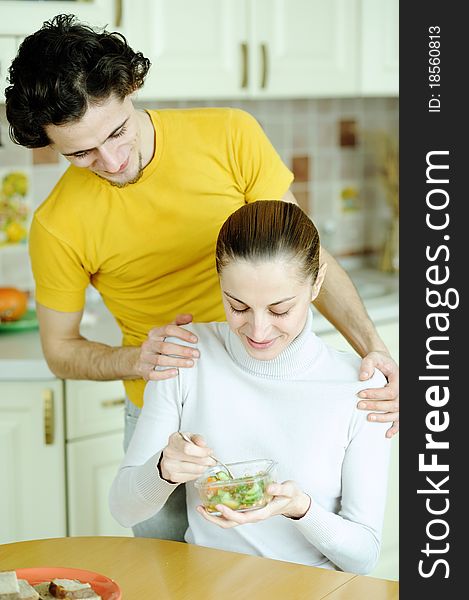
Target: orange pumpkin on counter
{"points": [[13, 303]]}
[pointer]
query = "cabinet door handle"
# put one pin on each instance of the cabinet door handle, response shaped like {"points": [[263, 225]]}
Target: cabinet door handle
{"points": [[118, 12], [244, 66], [48, 404], [265, 66], [112, 403]]}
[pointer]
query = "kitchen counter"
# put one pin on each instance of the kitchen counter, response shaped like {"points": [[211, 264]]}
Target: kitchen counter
{"points": [[21, 355], [379, 292]]}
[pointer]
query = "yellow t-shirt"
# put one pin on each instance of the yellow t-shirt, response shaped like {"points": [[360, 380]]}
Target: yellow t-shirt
{"points": [[149, 248]]}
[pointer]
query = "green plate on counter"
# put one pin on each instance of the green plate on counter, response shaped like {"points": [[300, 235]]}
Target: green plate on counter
{"points": [[27, 321]]}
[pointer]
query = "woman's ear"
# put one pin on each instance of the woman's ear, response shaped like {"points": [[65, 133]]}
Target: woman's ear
{"points": [[319, 281]]}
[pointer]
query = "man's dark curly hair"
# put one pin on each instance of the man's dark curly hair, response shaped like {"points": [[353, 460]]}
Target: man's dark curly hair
{"points": [[62, 69]]}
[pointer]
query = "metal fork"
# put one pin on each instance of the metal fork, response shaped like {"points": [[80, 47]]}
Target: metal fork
{"points": [[188, 439]]}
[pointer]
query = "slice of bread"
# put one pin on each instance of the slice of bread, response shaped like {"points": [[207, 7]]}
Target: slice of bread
{"points": [[9, 588], [43, 590], [71, 589], [27, 592]]}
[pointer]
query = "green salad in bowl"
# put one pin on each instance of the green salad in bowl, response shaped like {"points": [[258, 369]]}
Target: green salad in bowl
{"points": [[246, 491]]}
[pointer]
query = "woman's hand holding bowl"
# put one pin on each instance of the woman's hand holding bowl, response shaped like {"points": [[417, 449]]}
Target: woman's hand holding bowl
{"points": [[287, 500]]}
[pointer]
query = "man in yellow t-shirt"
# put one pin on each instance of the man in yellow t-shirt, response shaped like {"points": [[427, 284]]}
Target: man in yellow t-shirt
{"points": [[137, 215], [148, 248]]}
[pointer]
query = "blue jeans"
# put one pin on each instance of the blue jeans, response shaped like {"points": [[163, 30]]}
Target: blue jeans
{"points": [[170, 523]]}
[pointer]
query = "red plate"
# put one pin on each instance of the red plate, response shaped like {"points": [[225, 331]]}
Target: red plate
{"points": [[102, 585]]}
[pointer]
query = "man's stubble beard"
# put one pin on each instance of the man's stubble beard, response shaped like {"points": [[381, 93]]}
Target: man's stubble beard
{"points": [[133, 180]]}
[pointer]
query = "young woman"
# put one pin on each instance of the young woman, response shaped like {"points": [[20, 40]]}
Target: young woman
{"points": [[266, 386]]}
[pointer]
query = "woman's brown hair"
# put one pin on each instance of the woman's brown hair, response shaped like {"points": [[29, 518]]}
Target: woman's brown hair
{"points": [[270, 229]]}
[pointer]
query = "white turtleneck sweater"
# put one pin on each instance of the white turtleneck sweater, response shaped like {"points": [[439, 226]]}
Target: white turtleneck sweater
{"points": [[298, 409]]}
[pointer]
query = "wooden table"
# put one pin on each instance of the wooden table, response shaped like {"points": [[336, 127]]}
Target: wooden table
{"points": [[149, 569]]}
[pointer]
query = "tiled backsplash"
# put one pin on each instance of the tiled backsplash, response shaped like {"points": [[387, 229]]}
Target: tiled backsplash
{"points": [[335, 147]]}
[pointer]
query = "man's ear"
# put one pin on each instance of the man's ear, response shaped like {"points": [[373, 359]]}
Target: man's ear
{"points": [[319, 281]]}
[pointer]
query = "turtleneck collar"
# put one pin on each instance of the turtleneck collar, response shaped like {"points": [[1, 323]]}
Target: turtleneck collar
{"points": [[296, 358]]}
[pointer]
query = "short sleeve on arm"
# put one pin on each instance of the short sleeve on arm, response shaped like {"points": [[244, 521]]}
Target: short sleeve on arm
{"points": [[260, 171], [59, 275]]}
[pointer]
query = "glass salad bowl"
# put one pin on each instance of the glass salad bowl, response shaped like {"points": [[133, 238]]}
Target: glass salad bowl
{"points": [[247, 491]]}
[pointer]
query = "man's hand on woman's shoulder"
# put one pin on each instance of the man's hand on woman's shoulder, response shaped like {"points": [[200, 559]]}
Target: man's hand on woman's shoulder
{"points": [[384, 399], [156, 352]]}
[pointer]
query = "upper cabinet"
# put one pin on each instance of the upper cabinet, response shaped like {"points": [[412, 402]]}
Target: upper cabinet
{"points": [[22, 17], [247, 48], [266, 48], [197, 49], [379, 47], [302, 48], [229, 49]]}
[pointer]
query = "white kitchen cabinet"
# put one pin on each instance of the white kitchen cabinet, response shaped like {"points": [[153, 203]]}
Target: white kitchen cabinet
{"points": [[388, 564], [32, 466], [246, 48], [56, 469], [24, 17], [303, 48], [92, 465], [238, 49], [93, 407], [216, 49], [380, 48], [94, 431], [196, 48]]}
